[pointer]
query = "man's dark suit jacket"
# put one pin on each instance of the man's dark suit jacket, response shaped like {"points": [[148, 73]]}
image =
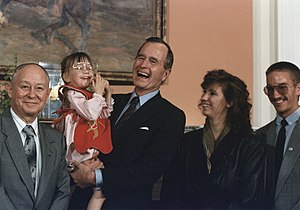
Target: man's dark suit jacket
{"points": [[16, 188], [285, 194], [142, 150]]}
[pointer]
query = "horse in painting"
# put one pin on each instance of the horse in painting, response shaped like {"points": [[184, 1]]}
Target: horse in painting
{"points": [[77, 10]]}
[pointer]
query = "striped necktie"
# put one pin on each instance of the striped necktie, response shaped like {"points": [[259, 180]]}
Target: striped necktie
{"points": [[30, 150]]}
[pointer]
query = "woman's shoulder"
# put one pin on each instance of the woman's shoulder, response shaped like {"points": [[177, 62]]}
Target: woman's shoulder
{"points": [[254, 139], [192, 138], [194, 133], [192, 142]]}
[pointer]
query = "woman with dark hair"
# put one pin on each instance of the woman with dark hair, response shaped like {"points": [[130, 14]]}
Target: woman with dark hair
{"points": [[219, 166]]}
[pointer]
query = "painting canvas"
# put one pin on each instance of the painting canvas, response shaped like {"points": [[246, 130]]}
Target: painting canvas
{"points": [[44, 31], [110, 31]]}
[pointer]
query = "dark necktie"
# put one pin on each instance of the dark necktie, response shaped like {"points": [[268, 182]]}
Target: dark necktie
{"points": [[30, 150], [128, 113], [280, 146]]}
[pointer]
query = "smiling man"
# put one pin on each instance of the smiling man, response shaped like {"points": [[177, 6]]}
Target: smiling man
{"points": [[283, 136], [33, 172], [145, 135]]}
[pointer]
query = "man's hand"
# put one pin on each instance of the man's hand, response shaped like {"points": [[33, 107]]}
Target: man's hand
{"points": [[83, 175], [94, 162]]}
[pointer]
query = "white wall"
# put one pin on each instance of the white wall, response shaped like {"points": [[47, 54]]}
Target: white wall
{"points": [[276, 37], [289, 30], [264, 53]]}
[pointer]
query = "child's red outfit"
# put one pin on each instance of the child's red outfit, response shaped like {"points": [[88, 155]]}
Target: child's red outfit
{"points": [[84, 122]]}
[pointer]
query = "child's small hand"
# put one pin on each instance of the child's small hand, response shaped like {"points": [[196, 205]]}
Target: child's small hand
{"points": [[99, 84], [107, 88]]}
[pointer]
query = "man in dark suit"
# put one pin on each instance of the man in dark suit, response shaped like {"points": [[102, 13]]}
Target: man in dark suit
{"points": [[33, 171], [145, 143], [283, 153]]}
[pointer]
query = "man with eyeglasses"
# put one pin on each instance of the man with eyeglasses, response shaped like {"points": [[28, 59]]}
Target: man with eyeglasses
{"points": [[283, 137]]}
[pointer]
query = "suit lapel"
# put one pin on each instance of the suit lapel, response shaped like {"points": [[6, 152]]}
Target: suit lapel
{"points": [[223, 152], [142, 114], [120, 103], [14, 146], [271, 134], [48, 160], [291, 155]]}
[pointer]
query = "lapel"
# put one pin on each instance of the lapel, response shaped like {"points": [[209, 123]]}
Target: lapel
{"points": [[14, 146], [223, 152], [290, 158], [120, 102], [48, 153], [153, 107], [154, 103], [192, 144], [271, 134], [142, 114]]}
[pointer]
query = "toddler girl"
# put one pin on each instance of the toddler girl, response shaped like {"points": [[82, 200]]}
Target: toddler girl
{"points": [[84, 114]]}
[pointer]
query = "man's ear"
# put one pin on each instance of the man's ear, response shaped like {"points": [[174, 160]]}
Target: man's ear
{"points": [[298, 89], [166, 75]]}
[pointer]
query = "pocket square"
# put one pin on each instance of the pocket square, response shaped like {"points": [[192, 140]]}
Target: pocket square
{"points": [[144, 128]]}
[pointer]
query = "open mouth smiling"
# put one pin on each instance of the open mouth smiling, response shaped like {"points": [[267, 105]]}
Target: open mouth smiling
{"points": [[86, 78], [143, 74], [205, 104], [278, 100]]}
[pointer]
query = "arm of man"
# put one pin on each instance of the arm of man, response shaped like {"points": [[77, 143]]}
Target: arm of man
{"points": [[61, 196], [151, 163], [5, 202], [84, 172]]}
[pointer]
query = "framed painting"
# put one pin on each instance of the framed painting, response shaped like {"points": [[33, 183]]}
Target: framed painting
{"points": [[110, 31]]}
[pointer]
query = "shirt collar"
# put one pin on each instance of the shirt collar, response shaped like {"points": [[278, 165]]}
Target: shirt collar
{"points": [[21, 124], [292, 118], [144, 98]]}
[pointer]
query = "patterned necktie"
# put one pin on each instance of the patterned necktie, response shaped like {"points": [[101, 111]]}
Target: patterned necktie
{"points": [[128, 113], [280, 146], [30, 150]]}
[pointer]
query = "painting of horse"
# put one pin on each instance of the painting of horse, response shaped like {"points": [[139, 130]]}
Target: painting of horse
{"points": [[47, 30], [76, 10]]}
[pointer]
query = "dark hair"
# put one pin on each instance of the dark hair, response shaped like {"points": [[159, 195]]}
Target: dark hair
{"points": [[286, 67], [21, 66], [170, 57], [236, 94], [69, 60]]}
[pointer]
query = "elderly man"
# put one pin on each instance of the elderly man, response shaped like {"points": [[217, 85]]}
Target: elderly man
{"points": [[33, 171], [146, 133]]}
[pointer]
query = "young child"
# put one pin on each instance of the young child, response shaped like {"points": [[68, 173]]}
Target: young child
{"points": [[84, 115]]}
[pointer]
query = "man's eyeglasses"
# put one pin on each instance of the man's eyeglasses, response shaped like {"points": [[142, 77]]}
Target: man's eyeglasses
{"points": [[281, 89], [80, 66]]}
